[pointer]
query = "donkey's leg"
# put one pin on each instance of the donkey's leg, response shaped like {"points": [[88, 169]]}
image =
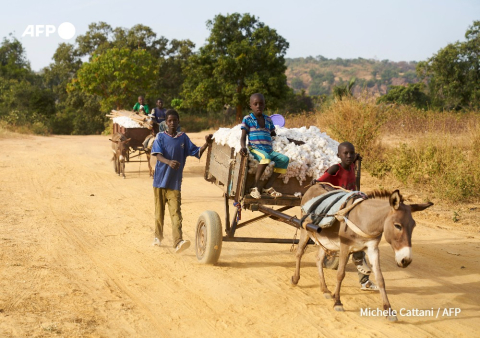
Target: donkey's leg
{"points": [[302, 243], [323, 286], [374, 257], [149, 165], [114, 160], [343, 259]]}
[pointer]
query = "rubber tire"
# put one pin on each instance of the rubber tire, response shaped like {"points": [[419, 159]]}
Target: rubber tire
{"points": [[208, 237], [331, 262]]}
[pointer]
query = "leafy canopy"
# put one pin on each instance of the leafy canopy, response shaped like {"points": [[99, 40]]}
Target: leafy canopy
{"points": [[118, 76], [242, 56], [453, 74]]}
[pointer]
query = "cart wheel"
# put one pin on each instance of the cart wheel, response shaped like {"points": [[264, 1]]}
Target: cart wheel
{"points": [[208, 241], [331, 261]]}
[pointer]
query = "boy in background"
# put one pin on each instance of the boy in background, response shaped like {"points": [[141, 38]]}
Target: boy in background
{"points": [[343, 175], [171, 149], [140, 106]]}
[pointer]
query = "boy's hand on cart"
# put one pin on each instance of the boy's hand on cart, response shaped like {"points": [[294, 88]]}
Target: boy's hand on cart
{"points": [[358, 158], [174, 164], [209, 138], [244, 152]]}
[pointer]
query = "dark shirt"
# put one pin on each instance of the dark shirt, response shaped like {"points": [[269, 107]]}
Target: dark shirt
{"points": [[176, 148], [159, 114]]}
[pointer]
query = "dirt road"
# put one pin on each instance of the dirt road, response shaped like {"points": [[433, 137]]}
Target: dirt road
{"points": [[76, 261]]}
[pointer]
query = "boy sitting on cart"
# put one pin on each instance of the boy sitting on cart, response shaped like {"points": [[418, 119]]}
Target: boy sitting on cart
{"points": [[342, 175], [260, 130], [140, 106]]}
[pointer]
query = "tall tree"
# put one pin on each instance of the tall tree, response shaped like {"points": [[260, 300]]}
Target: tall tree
{"points": [[453, 74], [118, 76], [170, 56], [242, 56], [24, 99], [13, 60], [77, 112]]}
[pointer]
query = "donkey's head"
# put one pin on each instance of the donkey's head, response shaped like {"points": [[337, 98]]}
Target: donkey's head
{"points": [[121, 148], [399, 226]]}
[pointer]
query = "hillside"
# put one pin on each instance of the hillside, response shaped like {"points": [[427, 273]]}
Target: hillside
{"points": [[317, 75]]}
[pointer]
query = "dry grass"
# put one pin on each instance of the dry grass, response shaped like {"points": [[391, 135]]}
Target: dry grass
{"points": [[435, 153], [7, 133]]}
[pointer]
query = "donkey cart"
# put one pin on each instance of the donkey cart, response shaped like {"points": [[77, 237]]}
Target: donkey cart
{"points": [[229, 171], [136, 136]]}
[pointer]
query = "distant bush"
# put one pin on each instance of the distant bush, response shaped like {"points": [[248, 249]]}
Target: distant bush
{"points": [[412, 94], [356, 121]]}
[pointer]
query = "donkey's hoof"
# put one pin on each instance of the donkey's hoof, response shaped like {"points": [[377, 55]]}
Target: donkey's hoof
{"points": [[338, 308], [327, 295], [294, 280], [392, 318]]}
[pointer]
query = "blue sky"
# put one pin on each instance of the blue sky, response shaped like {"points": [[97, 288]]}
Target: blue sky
{"points": [[399, 30]]}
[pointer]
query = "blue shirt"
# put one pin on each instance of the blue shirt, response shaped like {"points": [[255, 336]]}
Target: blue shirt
{"points": [[259, 138], [159, 114], [172, 148]]}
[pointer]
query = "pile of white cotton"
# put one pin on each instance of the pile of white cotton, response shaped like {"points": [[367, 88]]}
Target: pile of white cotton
{"points": [[310, 159], [126, 122]]}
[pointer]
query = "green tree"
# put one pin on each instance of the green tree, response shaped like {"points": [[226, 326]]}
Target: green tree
{"points": [[297, 83], [242, 56], [453, 74], [412, 95], [77, 112], [13, 60], [341, 91], [24, 98], [170, 57], [118, 76]]}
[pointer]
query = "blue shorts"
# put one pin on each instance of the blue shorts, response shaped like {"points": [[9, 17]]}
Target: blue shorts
{"points": [[281, 161]]}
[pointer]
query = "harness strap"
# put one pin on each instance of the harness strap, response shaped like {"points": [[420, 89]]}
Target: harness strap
{"points": [[357, 230]]}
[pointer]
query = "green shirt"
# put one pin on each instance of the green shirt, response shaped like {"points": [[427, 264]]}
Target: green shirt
{"points": [[136, 107]]}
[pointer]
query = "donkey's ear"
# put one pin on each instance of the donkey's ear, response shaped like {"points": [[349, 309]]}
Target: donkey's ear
{"points": [[420, 207], [395, 200], [113, 141]]}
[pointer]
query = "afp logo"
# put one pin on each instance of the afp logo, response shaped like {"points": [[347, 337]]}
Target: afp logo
{"points": [[66, 30]]}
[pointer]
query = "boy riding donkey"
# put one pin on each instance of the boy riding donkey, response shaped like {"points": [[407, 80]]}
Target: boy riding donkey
{"points": [[342, 175], [260, 130]]}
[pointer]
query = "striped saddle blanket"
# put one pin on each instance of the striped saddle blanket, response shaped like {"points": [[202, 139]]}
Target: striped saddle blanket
{"points": [[322, 209]]}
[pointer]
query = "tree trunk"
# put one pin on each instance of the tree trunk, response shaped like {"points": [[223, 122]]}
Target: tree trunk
{"points": [[239, 113], [239, 106]]}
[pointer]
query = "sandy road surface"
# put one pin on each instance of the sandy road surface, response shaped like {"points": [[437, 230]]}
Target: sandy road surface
{"points": [[76, 261]]}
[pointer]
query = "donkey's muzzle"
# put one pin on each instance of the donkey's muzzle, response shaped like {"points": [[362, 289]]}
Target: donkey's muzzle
{"points": [[403, 257]]}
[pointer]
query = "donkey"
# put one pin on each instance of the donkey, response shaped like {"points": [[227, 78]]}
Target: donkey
{"points": [[383, 212], [120, 149], [147, 146]]}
